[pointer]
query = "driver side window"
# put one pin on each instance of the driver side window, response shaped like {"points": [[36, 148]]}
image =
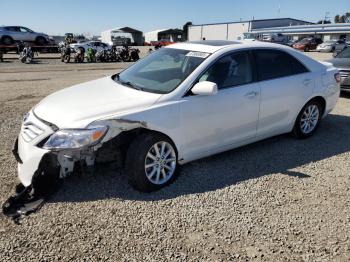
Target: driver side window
{"points": [[231, 70]]}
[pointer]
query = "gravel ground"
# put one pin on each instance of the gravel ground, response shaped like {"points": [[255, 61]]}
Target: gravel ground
{"points": [[281, 199]]}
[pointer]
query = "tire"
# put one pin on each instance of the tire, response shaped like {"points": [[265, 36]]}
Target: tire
{"points": [[40, 40], [6, 40], [300, 129], [307, 49], [137, 158]]}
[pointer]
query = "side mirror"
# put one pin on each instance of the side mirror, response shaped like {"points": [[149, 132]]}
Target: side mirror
{"points": [[205, 88]]}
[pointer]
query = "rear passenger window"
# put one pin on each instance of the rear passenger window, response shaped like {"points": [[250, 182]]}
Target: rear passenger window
{"points": [[273, 64]]}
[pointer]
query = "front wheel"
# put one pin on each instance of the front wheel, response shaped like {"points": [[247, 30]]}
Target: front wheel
{"points": [[308, 120], [151, 162]]}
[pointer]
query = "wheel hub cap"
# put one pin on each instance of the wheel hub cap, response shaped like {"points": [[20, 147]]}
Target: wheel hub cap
{"points": [[160, 163], [309, 119]]}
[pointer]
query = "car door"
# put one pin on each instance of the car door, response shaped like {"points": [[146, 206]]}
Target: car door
{"points": [[14, 33], [285, 84], [226, 118], [27, 34]]}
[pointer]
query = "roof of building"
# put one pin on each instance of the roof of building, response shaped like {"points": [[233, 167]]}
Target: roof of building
{"points": [[125, 29], [315, 28], [255, 20]]}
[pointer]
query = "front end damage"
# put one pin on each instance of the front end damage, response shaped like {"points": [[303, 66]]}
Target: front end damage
{"points": [[40, 169]]}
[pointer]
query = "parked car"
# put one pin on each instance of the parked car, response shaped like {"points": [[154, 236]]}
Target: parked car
{"points": [[96, 45], [10, 34], [275, 38], [291, 42], [327, 46], [180, 103], [340, 46], [307, 44], [342, 62]]}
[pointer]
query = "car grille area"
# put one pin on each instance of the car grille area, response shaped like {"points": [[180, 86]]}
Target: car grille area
{"points": [[30, 131], [344, 73]]}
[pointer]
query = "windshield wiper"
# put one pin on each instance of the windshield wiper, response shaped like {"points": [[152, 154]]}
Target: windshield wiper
{"points": [[129, 84]]}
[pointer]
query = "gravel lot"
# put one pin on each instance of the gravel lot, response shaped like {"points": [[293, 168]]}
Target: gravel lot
{"points": [[276, 200]]}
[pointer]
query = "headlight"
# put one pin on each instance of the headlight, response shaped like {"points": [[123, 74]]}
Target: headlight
{"points": [[75, 138]]}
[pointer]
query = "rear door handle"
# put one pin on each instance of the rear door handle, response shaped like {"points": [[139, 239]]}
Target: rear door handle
{"points": [[251, 94]]}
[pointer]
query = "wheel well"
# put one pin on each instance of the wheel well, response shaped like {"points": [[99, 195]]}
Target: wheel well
{"points": [[4, 36], [121, 143], [320, 100]]}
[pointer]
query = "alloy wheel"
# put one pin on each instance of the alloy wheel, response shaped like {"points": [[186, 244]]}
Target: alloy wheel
{"points": [[160, 163], [309, 119]]}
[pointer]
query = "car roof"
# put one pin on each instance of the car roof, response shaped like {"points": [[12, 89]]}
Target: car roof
{"points": [[211, 46]]}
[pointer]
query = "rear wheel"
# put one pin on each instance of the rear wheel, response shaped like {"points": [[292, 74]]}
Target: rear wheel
{"points": [[151, 162], [40, 40], [308, 120], [6, 40], [307, 49]]}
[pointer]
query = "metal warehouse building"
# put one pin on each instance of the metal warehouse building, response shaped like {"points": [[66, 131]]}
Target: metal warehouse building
{"points": [[324, 31], [235, 30], [121, 34]]}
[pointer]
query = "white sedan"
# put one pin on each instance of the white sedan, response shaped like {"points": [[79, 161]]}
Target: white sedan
{"points": [[180, 103], [96, 45]]}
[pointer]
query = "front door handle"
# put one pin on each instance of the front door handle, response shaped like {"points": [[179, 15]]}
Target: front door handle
{"points": [[251, 94]]}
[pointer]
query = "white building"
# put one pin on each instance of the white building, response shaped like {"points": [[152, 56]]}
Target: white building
{"points": [[122, 35], [235, 30], [323, 31], [170, 35]]}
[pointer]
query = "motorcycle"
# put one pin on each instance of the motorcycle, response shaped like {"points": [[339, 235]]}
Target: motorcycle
{"points": [[79, 56], [26, 55], [134, 54], [90, 55], [101, 56], [65, 54], [124, 53]]}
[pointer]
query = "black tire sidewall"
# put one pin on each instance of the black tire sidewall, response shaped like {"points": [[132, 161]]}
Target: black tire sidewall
{"points": [[40, 40], [297, 127], [135, 161], [10, 40]]}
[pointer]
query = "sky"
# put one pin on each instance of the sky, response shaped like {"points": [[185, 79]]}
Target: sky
{"points": [[81, 16]]}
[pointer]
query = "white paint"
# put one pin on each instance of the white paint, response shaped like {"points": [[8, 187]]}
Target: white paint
{"points": [[199, 125]]}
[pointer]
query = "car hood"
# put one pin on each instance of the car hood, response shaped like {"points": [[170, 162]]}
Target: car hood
{"points": [[79, 105], [341, 63]]}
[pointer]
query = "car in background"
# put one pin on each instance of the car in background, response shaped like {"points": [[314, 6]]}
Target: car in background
{"points": [[96, 45], [10, 34], [342, 62], [275, 38], [341, 46], [172, 107], [327, 46], [291, 42], [307, 44]]}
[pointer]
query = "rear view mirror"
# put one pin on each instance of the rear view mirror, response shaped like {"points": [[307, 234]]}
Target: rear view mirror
{"points": [[205, 88]]}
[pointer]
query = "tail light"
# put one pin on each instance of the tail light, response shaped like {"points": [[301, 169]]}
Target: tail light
{"points": [[337, 77]]}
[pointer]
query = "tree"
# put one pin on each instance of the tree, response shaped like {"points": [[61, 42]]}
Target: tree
{"points": [[185, 31], [337, 19], [342, 18]]}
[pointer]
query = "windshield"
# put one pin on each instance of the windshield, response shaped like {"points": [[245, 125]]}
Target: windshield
{"points": [[344, 54], [161, 71]]}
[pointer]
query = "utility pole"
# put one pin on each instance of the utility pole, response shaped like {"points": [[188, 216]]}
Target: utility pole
{"points": [[326, 17]]}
